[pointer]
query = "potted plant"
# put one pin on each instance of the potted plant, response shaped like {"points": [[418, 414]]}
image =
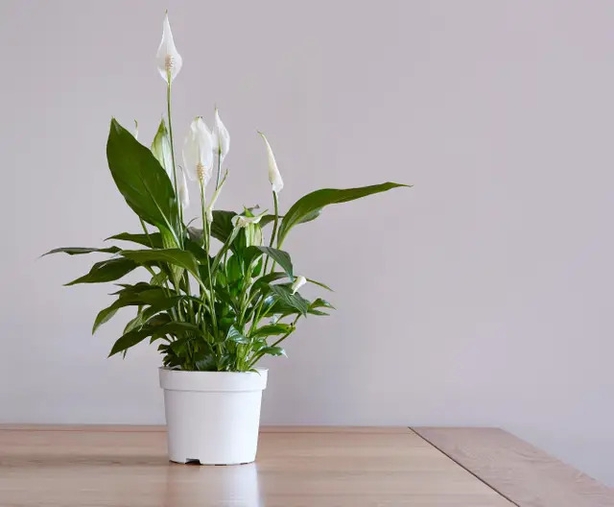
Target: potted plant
{"points": [[215, 299]]}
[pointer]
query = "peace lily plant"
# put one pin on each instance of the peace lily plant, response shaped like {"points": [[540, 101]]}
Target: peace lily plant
{"points": [[219, 297]]}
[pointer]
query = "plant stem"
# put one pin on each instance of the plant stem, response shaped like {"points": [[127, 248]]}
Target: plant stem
{"points": [[274, 233], [170, 135], [259, 355], [206, 249], [219, 166], [203, 210], [146, 232], [288, 333], [276, 221]]}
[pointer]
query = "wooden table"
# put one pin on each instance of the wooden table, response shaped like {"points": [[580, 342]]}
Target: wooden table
{"points": [[320, 467]]}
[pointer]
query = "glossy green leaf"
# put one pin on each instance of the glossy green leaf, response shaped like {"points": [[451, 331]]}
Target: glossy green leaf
{"points": [[128, 289], [134, 323], [222, 226], [174, 256], [103, 316], [151, 240], [273, 351], [158, 298], [236, 336], [309, 206], [107, 271], [267, 219], [280, 257], [134, 337], [130, 339], [314, 307], [250, 254], [320, 284], [77, 250], [295, 301], [196, 249], [262, 284], [234, 273], [159, 278], [142, 180], [272, 330], [175, 328]]}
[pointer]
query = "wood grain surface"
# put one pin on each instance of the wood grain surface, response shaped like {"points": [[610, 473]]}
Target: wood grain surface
{"points": [[524, 474], [354, 467]]}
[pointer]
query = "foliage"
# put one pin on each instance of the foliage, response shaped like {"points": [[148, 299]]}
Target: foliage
{"points": [[215, 298]]}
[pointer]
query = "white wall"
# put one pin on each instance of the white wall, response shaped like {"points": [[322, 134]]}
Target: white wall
{"points": [[483, 296]]}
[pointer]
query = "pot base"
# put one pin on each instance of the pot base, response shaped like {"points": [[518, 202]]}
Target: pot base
{"points": [[197, 462]]}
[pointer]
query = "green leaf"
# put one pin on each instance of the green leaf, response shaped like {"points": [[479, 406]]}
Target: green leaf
{"points": [[319, 303], [273, 351], [295, 301], [222, 226], [134, 337], [174, 256], [267, 219], [280, 257], [142, 180], [159, 278], [107, 271], [176, 328], [236, 336], [156, 297], [222, 251], [196, 249], [135, 323], [77, 250], [130, 339], [234, 273], [310, 216], [103, 316], [272, 330], [320, 284], [135, 289], [309, 206], [250, 254], [152, 240], [263, 283]]}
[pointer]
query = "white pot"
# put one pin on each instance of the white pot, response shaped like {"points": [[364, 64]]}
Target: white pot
{"points": [[212, 417]]}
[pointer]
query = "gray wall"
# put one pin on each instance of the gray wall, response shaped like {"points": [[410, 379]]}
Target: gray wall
{"points": [[483, 296]]}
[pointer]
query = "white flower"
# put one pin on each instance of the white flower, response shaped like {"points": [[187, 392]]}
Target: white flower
{"points": [[253, 232], [299, 281], [197, 152], [136, 130], [242, 221], [221, 138], [161, 149], [182, 190], [274, 177], [168, 59]]}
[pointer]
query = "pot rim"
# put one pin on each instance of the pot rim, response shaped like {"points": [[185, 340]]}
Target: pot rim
{"points": [[213, 381], [258, 371]]}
